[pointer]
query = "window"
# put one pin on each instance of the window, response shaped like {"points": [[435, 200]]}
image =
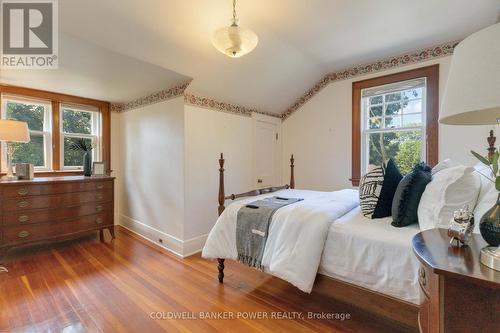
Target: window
{"points": [[393, 124], [55, 122], [395, 116], [37, 115], [78, 124]]}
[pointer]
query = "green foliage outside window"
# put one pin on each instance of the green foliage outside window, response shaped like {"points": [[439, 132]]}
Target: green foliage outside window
{"points": [[77, 122], [403, 146], [74, 122], [33, 151]]}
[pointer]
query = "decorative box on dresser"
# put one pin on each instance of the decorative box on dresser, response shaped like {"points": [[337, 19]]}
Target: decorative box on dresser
{"points": [[459, 294], [53, 209]]}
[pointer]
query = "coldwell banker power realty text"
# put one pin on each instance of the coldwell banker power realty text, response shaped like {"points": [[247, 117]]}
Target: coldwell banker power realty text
{"points": [[29, 34]]}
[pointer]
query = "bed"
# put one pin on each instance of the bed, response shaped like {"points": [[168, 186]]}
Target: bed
{"points": [[372, 254], [360, 261]]}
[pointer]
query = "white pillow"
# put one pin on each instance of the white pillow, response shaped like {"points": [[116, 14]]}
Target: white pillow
{"points": [[448, 163], [449, 190], [487, 196]]}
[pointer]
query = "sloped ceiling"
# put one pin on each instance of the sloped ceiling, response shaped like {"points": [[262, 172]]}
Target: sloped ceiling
{"points": [[88, 70], [299, 41]]}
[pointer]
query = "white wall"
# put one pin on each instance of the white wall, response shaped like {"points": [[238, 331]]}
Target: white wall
{"points": [[167, 169], [207, 134], [116, 161], [319, 134], [151, 172]]}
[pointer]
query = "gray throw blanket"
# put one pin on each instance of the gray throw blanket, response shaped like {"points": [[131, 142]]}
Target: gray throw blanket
{"points": [[252, 226]]}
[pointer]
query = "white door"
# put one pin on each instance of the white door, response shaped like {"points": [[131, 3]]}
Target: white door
{"points": [[267, 132]]}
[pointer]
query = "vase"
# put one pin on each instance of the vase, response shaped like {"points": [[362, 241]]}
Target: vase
{"points": [[87, 164], [490, 225]]}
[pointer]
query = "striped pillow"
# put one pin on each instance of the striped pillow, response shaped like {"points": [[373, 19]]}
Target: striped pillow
{"points": [[369, 191]]}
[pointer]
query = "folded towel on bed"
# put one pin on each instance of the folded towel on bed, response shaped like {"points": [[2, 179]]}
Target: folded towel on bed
{"points": [[252, 226]]}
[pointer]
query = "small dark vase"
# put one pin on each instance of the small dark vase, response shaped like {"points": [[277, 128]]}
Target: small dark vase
{"points": [[490, 225], [87, 164]]}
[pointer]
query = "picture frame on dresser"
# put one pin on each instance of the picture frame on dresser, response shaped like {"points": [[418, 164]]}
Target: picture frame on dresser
{"points": [[99, 169], [52, 209]]}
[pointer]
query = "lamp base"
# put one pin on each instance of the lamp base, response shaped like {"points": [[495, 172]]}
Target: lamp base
{"points": [[7, 177], [490, 256]]}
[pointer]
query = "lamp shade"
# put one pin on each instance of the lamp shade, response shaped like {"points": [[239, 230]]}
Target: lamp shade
{"points": [[472, 94], [14, 131]]}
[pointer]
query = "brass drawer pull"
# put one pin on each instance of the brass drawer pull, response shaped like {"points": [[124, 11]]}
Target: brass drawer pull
{"points": [[23, 218], [100, 186], [99, 197], [98, 220], [23, 204], [22, 191], [421, 277], [99, 208], [23, 234]]}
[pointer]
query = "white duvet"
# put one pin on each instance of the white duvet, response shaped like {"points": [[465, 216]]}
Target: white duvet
{"points": [[297, 233]]}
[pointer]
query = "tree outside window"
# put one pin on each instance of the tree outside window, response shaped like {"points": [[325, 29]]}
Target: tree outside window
{"points": [[394, 124]]}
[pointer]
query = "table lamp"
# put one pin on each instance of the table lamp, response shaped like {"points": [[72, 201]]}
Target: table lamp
{"points": [[12, 131], [472, 97]]}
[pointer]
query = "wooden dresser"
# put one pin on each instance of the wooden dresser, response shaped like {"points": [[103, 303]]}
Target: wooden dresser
{"points": [[53, 209], [459, 293]]}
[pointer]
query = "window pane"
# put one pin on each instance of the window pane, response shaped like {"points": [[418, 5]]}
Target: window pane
{"points": [[414, 106], [393, 97], [376, 111], [77, 122], [413, 120], [31, 113], [72, 157], [374, 122], [376, 100], [393, 109], [403, 147], [413, 93], [392, 122], [31, 152]]}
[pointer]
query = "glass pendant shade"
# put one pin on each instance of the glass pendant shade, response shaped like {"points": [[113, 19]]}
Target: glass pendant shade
{"points": [[234, 41]]}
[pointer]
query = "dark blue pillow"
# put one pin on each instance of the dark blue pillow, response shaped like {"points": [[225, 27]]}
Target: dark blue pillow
{"points": [[408, 195], [392, 178]]}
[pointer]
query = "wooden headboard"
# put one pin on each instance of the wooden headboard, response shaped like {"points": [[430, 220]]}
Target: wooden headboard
{"points": [[223, 197]]}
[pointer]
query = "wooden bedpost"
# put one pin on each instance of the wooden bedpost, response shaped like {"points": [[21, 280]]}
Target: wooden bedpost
{"points": [[221, 184], [222, 199], [292, 177], [491, 143]]}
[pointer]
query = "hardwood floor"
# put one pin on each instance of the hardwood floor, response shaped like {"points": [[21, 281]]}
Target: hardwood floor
{"points": [[89, 286]]}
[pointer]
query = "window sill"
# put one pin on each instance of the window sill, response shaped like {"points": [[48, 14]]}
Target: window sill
{"points": [[55, 173]]}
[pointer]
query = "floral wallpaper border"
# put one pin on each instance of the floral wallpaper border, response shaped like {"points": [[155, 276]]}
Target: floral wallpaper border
{"points": [[190, 99], [210, 103], [156, 97], [393, 62]]}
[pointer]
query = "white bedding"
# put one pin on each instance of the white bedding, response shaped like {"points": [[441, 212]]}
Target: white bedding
{"points": [[372, 254], [297, 233]]}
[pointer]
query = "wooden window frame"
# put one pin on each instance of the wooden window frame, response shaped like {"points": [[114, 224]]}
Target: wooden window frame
{"points": [[56, 99], [432, 112]]}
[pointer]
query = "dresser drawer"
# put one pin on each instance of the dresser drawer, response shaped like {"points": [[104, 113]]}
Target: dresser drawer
{"points": [[15, 191], [55, 201], [37, 232], [50, 215], [423, 280]]}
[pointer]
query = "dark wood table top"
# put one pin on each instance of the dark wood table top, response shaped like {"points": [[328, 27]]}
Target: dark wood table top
{"points": [[433, 249], [57, 179]]}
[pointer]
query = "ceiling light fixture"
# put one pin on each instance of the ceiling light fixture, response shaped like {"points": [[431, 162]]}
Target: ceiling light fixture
{"points": [[234, 41]]}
